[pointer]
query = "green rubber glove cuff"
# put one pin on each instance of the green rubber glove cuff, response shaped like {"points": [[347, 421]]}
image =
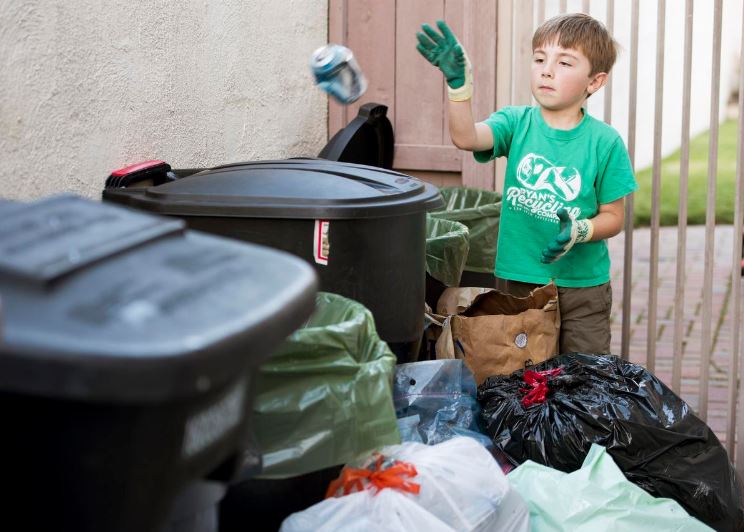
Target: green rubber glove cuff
{"points": [[465, 90], [584, 231]]}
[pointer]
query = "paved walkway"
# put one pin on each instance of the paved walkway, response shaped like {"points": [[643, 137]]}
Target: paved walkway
{"points": [[721, 326]]}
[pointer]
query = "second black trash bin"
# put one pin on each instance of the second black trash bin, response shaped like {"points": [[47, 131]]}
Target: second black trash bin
{"points": [[363, 228]]}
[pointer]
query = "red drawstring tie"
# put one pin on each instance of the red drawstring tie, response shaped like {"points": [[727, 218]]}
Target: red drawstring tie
{"points": [[538, 382], [352, 479]]}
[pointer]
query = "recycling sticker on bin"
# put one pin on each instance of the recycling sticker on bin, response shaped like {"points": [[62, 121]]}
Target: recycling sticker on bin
{"points": [[322, 242]]}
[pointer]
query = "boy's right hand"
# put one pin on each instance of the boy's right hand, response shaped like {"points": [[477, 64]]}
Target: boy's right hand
{"points": [[445, 52]]}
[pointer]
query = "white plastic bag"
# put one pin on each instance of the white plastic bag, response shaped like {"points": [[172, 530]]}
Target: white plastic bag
{"points": [[461, 488], [363, 511], [460, 481]]}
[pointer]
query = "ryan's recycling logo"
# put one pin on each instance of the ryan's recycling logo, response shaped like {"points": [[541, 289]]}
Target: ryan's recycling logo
{"points": [[536, 173]]}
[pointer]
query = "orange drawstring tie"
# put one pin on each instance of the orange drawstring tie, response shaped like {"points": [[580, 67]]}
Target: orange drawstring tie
{"points": [[352, 479]]}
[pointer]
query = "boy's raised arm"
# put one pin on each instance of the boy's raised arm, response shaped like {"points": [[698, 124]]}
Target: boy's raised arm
{"points": [[445, 52]]}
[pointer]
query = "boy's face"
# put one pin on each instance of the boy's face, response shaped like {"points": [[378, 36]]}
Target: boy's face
{"points": [[560, 77]]}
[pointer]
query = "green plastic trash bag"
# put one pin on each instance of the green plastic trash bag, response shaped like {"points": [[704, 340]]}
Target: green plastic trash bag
{"points": [[325, 396], [447, 246], [595, 497], [480, 211]]}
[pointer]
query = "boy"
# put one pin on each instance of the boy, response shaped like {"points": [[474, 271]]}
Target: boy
{"points": [[567, 173]]}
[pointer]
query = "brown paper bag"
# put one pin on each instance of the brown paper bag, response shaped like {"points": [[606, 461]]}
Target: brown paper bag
{"points": [[458, 300], [432, 330], [496, 333]]}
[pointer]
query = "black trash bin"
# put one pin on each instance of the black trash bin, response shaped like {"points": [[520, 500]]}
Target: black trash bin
{"points": [[127, 350], [363, 228], [368, 139]]}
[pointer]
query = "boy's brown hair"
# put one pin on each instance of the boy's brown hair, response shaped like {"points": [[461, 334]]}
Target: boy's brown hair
{"points": [[580, 32]]}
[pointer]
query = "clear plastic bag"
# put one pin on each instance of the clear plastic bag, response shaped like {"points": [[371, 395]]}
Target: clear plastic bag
{"points": [[408, 428], [442, 394]]}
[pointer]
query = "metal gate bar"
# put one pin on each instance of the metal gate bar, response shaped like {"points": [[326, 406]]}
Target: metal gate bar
{"points": [[736, 369], [684, 171], [710, 214], [629, 201], [653, 280]]}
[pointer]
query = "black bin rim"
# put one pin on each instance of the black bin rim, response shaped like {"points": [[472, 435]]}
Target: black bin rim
{"points": [[301, 188]]}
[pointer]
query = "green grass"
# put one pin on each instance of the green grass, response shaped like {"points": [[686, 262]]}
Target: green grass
{"points": [[697, 189]]}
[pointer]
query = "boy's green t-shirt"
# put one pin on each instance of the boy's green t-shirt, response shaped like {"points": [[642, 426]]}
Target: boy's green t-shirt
{"points": [[547, 169]]}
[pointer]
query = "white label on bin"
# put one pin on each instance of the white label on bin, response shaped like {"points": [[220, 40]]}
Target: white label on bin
{"points": [[322, 241], [209, 425]]}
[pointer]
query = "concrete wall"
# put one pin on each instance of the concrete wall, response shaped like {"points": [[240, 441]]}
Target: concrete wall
{"points": [[89, 86]]}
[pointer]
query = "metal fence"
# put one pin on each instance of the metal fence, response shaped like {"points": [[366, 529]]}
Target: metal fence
{"points": [[517, 20]]}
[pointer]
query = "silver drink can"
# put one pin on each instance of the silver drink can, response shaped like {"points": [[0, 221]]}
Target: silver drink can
{"points": [[337, 73]]}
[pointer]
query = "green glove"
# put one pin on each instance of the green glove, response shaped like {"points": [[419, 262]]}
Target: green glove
{"points": [[445, 52], [571, 232]]}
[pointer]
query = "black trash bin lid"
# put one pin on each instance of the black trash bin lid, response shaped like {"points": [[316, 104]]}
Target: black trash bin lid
{"points": [[292, 188], [99, 302]]}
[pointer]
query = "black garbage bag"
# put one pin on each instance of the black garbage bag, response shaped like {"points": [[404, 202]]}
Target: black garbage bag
{"points": [[552, 412]]}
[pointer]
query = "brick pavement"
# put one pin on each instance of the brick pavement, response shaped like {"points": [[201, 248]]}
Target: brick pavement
{"points": [[721, 327]]}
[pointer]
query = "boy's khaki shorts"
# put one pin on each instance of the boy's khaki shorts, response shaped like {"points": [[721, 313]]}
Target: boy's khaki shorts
{"points": [[585, 315]]}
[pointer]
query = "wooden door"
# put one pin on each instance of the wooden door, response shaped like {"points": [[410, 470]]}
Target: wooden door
{"points": [[382, 36]]}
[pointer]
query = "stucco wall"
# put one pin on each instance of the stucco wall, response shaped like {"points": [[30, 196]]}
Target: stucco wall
{"points": [[89, 86]]}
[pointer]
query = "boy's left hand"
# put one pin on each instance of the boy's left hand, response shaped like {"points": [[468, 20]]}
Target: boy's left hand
{"points": [[571, 232]]}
